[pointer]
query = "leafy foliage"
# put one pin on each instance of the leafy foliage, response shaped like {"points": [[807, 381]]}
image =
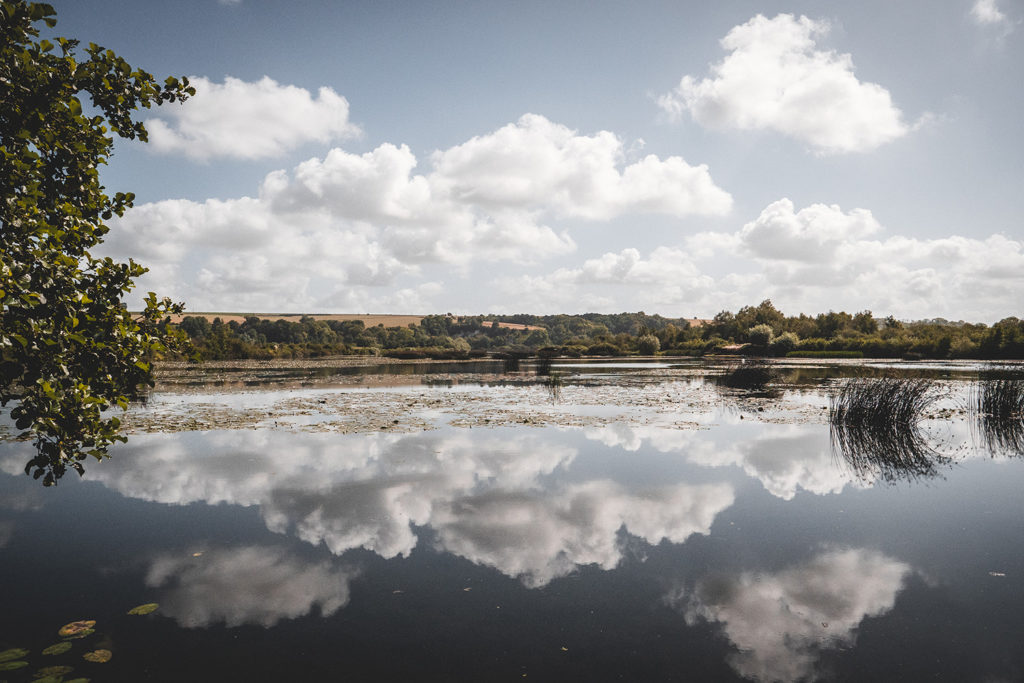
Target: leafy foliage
{"points": [[69, 350]]}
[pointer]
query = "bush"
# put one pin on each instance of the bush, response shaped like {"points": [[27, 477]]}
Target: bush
{"points": [[604, 349], [760, 335], [648, 345], [784, 343]]}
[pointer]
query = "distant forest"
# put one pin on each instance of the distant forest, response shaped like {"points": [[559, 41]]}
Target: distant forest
{"points": [[760, 330]]}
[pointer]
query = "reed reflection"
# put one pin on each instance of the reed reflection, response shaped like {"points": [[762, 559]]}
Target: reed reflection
{"points": [[875, 428], [998, 405]]}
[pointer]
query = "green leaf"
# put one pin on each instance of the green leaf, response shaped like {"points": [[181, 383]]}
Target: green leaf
{"points": [[76, 628], [12, 666], [98, 656], [56, 671], [13, 653], [57, 648], [147, 608]]}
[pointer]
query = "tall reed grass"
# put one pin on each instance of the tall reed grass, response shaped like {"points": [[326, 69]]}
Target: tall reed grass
{"points": [[874, 427], [998, 404]]}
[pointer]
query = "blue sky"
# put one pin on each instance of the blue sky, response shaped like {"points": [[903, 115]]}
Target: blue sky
{"points": [[672, 157]]}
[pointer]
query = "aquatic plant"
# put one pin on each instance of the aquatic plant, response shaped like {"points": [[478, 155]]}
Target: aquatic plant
{"points": [[751, 375], [98, 656], [874, 427], [142, 610], [554, 385], [998, 405]]}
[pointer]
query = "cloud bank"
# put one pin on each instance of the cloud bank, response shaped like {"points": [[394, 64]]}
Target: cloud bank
{"points": [[810, 260], [348, 220]]}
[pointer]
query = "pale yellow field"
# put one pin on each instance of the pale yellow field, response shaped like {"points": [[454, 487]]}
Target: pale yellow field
{"points": [[370, 320]]}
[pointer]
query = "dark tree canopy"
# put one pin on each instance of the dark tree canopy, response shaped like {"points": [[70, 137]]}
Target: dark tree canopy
{"points": [[69, 350]]}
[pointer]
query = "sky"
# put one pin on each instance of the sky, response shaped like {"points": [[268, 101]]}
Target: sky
{"points": [[681, 158]]}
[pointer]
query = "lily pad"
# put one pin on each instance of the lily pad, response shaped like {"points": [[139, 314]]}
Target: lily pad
{"points": [[148, 608], [98, 656], [76, 627], [83, 634], [11, 666], [13, 653], [56, 671], [57, 648], [79, 680]]}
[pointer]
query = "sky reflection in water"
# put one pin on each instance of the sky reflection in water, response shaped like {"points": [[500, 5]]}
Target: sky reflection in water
{"points": [[746, 550]]}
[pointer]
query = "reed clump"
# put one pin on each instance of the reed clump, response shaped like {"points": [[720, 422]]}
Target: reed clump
{"points": [[554, 384], [751, 375], [999, 407], [874, 425]]}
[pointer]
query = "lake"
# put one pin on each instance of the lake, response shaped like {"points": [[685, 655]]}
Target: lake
{"points": [[579, 521]]}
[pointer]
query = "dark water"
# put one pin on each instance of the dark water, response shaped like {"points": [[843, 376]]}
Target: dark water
{"points": [[745, 551]]}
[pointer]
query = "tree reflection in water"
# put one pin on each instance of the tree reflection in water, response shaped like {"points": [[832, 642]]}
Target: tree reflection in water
{"points": [[875, 428]]}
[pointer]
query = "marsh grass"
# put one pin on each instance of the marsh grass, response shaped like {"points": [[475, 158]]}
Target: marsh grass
{"points": [[998, 406], [554, 384], [875, 427]]}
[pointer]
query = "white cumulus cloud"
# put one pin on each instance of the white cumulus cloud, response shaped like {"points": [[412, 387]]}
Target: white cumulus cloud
{"points": [[987, 12], [811, 234], [243, 120], [776, 77], [537, 164]]}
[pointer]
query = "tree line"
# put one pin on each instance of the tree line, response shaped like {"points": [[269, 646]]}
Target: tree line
{"points": [[760, 330]]}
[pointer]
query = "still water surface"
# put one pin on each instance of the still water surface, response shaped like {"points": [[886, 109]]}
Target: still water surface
{"points": [[740, 549]]}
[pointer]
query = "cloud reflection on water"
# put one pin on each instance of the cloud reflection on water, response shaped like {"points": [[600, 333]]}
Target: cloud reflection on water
{"points": [[245, 585], [780, 622], [543, 537], [784, 458], [490, 497]]}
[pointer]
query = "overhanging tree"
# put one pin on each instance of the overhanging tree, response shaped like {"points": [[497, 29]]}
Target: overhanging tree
{"points": [[69, 350]]}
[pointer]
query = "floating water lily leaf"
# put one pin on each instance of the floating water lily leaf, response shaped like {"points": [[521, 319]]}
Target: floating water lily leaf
{"points": [[11, 666], [58, 648], [79, 680], [98, 656], [83, 634], [76, 627], [13, 653], [47, 679], [148, 608], [56, 671]]}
